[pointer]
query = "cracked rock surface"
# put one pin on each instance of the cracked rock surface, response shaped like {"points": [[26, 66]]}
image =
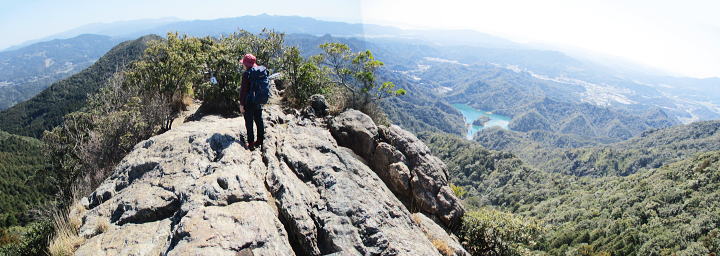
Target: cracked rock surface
{"points": [[195, 190]]}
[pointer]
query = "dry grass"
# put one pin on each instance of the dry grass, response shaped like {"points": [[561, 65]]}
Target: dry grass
{"points": [[186, 102], [66, 239], [337, 101], [443, 247], [102, 226], [67, 223], [78, 209]]}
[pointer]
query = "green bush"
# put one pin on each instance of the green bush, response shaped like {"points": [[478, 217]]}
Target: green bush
{"points": [[305, 78], [85, 148], [491, 232], [354, 73], [168, 71], [221, 58], [459, 191], [33, 240]]}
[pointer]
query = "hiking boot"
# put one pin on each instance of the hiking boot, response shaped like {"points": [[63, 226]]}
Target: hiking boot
{"points": [[251, 145]]}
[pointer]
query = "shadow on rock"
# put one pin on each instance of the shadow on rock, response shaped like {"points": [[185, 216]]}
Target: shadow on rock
{"points": [[219, 142]]}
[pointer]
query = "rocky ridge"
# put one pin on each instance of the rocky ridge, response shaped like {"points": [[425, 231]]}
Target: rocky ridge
{"points": [[336, 185]]}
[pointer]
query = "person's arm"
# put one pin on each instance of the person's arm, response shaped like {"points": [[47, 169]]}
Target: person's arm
{"points": [[244, 88]]}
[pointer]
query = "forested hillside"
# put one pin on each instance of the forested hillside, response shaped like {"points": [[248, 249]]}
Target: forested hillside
{"points": [[21, 187], [665, 210], [536, 104], [572, 155], [46, 110], [27, 71]]}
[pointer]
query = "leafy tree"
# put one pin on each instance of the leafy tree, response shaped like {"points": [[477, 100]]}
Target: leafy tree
{"points": [[221, 62], [170, 68], [85, 148], [355, 72], [267, 46], [305, 77]]}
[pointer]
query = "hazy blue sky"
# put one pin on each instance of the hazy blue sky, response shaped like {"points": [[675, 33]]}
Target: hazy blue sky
{"points": [[682, 37]]}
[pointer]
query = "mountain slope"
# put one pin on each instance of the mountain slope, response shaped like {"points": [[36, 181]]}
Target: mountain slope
{"points": [[46, 110], [532, 100], [21, 159], [418, 110], [651, 149], [196, 190], [27, 71], [668, 210], [605, 83]]}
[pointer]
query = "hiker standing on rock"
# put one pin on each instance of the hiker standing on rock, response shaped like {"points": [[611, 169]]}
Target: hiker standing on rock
{"points": [[254, 92]]}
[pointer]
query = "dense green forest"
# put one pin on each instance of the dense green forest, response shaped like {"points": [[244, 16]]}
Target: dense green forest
{"points": [[651, 149], [46, 110], [668, 210], [21, 188]]}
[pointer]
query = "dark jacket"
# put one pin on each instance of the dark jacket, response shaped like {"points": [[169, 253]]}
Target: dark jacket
{"points": [[244, 87]]}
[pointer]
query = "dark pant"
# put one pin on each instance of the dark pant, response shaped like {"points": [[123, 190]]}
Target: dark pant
{"points": [[253, 112]]}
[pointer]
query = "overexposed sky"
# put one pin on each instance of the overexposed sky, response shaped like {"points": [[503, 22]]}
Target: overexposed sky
{"points": [[682, 37]]}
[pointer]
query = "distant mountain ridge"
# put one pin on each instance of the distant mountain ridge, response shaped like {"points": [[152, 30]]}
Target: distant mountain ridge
{"points": [[116, 29], [597, 84], [47, 109], [27, 71]]}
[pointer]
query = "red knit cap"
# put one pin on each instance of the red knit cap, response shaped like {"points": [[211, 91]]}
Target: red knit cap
{"points": [[249, 60]]}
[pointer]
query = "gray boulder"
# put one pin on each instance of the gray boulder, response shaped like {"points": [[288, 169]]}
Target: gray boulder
{"points": [[404, 163], [355, 130]]}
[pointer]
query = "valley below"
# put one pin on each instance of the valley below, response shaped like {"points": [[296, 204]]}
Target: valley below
{"points": [[544, 153]]}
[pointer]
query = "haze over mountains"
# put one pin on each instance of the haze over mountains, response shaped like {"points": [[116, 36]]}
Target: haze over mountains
{"points": [[610, 160], [687, 99], [27, 71]]}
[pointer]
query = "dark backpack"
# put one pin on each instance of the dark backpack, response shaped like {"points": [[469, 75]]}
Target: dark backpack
{"points": [[259, 92]]}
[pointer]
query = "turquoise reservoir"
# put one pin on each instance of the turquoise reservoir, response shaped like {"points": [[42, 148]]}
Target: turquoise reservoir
{"points": [[472, 114]]}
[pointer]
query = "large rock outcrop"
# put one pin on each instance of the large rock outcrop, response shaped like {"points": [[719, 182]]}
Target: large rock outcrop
{"points": [[404, 162], [195, 190]]}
